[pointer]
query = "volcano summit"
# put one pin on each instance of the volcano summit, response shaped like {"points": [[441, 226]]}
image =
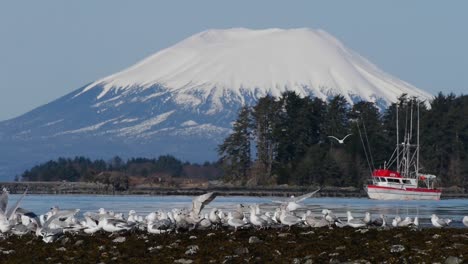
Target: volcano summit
{"points": [[182, 99]]}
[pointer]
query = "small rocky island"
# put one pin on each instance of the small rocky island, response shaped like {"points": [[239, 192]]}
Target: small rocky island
{"points": [[298, 245]]}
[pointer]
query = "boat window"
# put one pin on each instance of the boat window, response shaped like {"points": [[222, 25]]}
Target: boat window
{"points": [[406, 181], [393, 180]]}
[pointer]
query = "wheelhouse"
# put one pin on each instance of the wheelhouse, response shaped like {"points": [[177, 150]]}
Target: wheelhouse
{"points": [[389, 178]]}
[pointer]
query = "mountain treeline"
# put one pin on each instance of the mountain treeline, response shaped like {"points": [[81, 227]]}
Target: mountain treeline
{"points": [[287, 140], [117, 171]]}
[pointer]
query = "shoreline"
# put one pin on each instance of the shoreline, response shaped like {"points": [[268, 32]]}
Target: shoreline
{"points": [[85, 188]]}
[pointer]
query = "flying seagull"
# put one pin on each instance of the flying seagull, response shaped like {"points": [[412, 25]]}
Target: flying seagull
{"points": [[7, 216], [341, 141], [292, 203], [199, 202]]}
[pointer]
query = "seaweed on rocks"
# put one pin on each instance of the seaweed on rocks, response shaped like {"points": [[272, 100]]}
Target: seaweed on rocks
{"points": [[298, 245]]}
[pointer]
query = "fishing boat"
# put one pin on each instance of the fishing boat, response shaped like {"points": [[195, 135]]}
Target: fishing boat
{"points": [[400, 177]]}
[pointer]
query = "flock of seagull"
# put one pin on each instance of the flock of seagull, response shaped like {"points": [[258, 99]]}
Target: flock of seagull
{"points": [[56, 222]]}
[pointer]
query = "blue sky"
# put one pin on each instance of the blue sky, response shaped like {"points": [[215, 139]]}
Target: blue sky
{"points": [[50, 48]]}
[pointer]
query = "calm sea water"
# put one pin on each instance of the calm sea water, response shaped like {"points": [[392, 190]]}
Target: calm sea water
{"points": [[451, 208]]}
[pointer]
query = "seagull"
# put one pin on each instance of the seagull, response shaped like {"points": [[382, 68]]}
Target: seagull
{"points": [[380, 222], [132, 216], [235, 222], [269, 218], [356, 223], [102, 211], [199, 202], [151, 217], [53, 228], [396, 221], [465, 221], [50, 235], [6, 216], [313, 221], [20, 230], [341, 141], [331, 217], [239, 213], [91, 226], [65, 220], [113, 225], [405, 222], [25, 214], [276, 216], [205, 223], [185, 217], [293, 202], [265, 217], [161, 225], [440, 222], [367, 218], [255, 219], [214, 217], [224, 217], [288, 219], [416, 219]]}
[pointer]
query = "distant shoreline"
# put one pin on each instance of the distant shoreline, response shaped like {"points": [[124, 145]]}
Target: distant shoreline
{"points": [[86, 188]]}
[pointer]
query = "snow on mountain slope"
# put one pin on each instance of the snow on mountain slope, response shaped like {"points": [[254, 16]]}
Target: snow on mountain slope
{"points": [[237, 62], [182, 100]]}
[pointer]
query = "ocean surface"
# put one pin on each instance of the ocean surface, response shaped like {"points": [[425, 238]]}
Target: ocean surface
{"points": [[450, 208]]}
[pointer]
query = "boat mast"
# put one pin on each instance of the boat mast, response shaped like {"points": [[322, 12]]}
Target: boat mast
{"points": [[411, 124], [417, 151], [408, 143], [397, 140]]}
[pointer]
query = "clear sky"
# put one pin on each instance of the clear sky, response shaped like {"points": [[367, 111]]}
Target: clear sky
{"points": [[50, 48]]}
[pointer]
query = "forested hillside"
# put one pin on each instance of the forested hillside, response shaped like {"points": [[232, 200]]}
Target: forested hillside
{"points": [[286, 140]]}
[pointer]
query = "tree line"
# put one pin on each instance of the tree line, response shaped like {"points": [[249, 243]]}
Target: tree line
{"points": [[117, 171], [286, 140]]}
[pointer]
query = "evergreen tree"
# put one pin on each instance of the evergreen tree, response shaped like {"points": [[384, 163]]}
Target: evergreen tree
{"points": [[235, 151], [265, 118], [298, 128], [168, 164]]}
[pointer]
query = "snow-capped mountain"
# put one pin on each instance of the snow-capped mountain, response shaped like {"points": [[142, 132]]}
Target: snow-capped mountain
{"points": [[182, 99]]}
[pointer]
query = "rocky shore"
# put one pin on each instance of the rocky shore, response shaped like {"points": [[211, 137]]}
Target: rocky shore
{"points": [[298, 245]]}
